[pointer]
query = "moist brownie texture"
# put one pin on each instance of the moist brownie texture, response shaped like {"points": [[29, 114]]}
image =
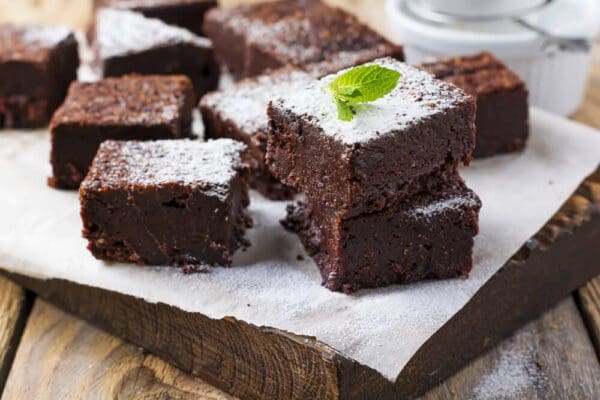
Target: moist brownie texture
{"points": [[168, 202], [37, 64], [305, 33], [428, 236], [240, 112], [127, 42], [502, 119], [128, 108], [396, 146], [184, 13]]}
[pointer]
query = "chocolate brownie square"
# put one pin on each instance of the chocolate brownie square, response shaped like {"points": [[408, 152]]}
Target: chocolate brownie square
{"points": [[187, 14], [168, 202], [428, 236], [502, 118], [37, 64], [127, 42], [128, 108], [306, 33], [404, 143], [240, 112]]}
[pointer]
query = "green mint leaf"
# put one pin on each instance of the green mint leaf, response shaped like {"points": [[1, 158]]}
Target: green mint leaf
{"points": [[364, 84], [344, 111]]}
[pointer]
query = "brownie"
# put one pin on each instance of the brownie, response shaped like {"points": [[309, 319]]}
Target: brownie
{"points": [[428, 236], [304, 33], [404, 143], [127, 42], [187, 14], [128, 108], [240, 112], [37, 64], [502, 118], [167, 202]]}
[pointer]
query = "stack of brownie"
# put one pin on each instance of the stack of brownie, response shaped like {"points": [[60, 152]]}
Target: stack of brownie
{"points": [[385, 203], [502, 113]]}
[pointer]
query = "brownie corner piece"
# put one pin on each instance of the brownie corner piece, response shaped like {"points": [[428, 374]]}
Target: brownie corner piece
{"points": [[240, 112], [307, 34], [428, 236], [127, 108], [37, 64], [127, 42], [180, 203], [502, 118], [423, 128]]}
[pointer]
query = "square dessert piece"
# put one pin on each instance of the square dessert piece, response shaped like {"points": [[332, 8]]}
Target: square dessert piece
{"points": [[187, 14], [304, 33], [168, 202], [502, 119], [128, 108], [127, 42], [398, 145], [240, 113], [428, 236], [37, 64]]}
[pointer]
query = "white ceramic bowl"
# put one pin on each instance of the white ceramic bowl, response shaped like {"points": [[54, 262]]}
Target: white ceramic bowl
{"points": [[556, 78]]}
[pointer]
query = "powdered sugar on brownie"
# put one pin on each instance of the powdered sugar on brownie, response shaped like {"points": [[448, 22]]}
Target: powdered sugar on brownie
{"points": [[45, 36], [209, 165], [443, 205], [121, 32], [245, 104], [417, 96]]}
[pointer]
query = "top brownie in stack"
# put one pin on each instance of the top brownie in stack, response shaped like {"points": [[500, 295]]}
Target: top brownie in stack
{"points": [[407, 142], [128, 108], [502, 114], [304, 33], [126, 42], [187, 14], [37, 64], [240, 113]]}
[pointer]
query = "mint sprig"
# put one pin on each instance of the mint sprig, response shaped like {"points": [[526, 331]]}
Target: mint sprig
{"points": [[361, 85]]}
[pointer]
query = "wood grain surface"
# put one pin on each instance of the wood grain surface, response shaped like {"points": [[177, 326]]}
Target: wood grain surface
{"points": [[63, 357], [14, 308]]}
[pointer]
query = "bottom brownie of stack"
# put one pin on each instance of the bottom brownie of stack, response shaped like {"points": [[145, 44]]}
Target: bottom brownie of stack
{"points": [[427, 236]]}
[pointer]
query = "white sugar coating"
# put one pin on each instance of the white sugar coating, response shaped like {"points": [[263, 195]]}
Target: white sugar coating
{"points": [[417, 96], [349, 58], [46, 36], [245, 103], [440, 206], [121, 32], [210, 165]]}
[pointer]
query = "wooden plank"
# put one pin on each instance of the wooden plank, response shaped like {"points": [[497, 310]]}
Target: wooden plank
{"points": [[589, 303], [550, 358], [14, 308], [61, 357]]}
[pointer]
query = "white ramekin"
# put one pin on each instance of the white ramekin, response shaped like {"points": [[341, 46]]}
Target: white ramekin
{"points": [[556, 78]]}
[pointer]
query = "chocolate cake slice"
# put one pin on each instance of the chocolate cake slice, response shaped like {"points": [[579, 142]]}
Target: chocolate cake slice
{"points": [[127, 42], [167, 202], [37, 64]]}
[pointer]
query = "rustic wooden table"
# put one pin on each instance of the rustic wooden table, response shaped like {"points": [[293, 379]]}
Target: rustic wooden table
{"points": [[47, 354]]}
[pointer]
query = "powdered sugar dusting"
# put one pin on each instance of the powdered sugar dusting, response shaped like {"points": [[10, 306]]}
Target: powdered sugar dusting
{"points": [[245, 104], [210, 165], [440, 206], [120, 32], [46, 36], [417, 96]]}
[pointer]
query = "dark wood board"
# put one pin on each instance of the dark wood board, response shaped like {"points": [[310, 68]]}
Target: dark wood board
{"points": [[263, 363]]}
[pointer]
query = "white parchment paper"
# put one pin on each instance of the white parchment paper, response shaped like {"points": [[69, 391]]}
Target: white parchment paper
{"points": [[40, 235]]}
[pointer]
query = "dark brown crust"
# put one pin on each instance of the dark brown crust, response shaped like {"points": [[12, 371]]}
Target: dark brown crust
{"points": [[502, 119], [295, 30], [33, 83], [122, 109], [391, 246], [373, 176]]}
